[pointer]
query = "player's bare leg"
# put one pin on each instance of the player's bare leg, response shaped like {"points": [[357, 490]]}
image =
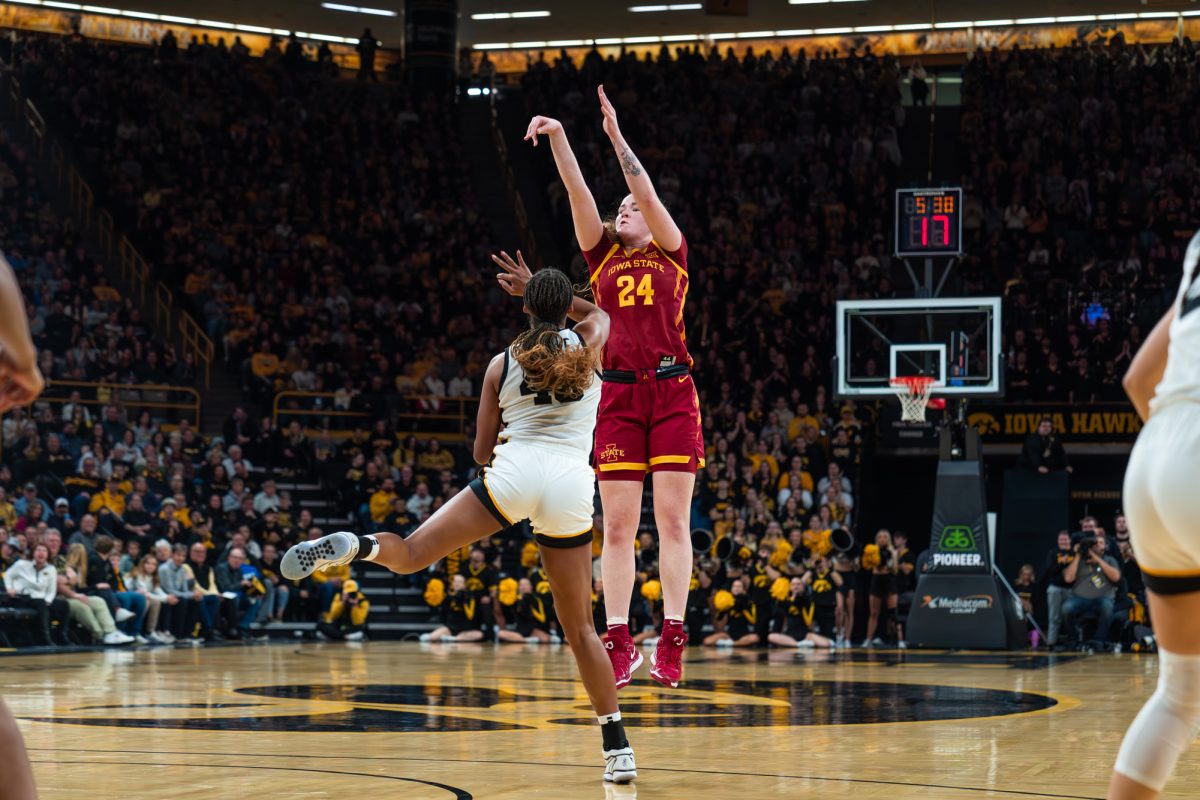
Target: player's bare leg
{"points": [[460, 522], [17, 783], [570, 573], [672, 517], [1174, 620], [622, 503]]}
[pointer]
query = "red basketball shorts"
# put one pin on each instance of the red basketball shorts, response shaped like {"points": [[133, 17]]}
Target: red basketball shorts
{"points": [[651, 426]]}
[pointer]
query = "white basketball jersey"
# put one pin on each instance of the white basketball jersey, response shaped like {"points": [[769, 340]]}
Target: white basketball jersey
{"points": [[540, 417], [1181, 379]]}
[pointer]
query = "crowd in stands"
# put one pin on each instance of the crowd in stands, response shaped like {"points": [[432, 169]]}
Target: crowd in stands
{"points": [[326, 234], [1081, 199], [169, 537]]}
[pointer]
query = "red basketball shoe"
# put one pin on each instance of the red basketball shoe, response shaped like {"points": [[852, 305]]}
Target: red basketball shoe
{"points": [[623, 654], [666, 663]]}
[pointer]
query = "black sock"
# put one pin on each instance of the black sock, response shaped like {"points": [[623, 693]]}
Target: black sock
{"points": [[368, 547], [613, 731]]}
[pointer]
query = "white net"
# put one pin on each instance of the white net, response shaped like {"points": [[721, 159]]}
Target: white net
{"points": [[914, 396]]}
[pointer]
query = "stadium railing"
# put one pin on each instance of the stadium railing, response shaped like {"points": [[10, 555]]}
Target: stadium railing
{"points": [[316, 412], [133, 269], [159, 399]]}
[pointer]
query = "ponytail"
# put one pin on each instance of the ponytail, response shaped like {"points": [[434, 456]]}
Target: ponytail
{"points": [[551, 365]]}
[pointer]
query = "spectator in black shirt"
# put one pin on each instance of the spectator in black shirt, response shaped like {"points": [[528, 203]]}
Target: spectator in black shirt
{"points": [[1057, 589], [1043, 451]]}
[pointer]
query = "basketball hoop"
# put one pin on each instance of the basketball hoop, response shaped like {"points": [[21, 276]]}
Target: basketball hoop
{"points": [[913, 392]]}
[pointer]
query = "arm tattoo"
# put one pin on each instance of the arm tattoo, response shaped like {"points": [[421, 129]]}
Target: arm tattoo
{"points": [[629, 164]]}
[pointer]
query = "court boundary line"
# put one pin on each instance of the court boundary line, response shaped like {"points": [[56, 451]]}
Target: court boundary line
{"points": [[459, 794], [871, 781]]}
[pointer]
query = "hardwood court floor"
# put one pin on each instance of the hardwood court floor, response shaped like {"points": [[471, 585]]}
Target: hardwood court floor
{"points": [[478, 721]]}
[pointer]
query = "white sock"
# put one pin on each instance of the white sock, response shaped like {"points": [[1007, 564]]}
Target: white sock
{"points": [[618, 621], [613, 717], [674, 618]]}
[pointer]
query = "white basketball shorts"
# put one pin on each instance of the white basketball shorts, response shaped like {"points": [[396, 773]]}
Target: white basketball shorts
{"points": [[553, 488], [1162, 499]]}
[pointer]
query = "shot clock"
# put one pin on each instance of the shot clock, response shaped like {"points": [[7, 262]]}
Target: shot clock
{"points": [[928, 222]]}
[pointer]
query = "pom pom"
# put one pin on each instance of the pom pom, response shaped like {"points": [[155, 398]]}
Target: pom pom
{"points": [[871, 557], [652, 591], [507, 592], [723, 600], [781, 588], [435, 592]]}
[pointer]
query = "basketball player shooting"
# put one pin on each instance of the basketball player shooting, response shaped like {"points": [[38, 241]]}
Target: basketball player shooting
{"points": [[649, 417]]}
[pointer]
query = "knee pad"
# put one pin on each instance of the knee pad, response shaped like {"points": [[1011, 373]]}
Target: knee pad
{"points": [[1166, 725]]}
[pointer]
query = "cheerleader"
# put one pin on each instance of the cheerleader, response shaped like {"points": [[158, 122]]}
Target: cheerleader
{"points": [[792, 624]]}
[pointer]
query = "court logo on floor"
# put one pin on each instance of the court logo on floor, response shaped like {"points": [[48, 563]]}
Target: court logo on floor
{"points": [[530, 704]]}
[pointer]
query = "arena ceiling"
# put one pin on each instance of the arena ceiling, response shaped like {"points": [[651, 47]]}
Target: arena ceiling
{"points": [[589, 19]]}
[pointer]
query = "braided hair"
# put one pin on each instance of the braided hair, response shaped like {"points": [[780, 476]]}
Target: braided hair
{"points": [[548, 363]]}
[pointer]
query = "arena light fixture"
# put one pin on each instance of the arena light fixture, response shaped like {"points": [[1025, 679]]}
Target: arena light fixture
{"points": [[510, 15], [640, 39], [672, 7], [913, 26], [378, 12], [796, 32], [1036, 20], [1108, 17], [1083, 18], [1158, 14], [56, 4], [832, 31], [208, 23], [873, 28], [567, 42], [101, 10], [949, 25], [992, 23], [757, 34], [682, 37]]}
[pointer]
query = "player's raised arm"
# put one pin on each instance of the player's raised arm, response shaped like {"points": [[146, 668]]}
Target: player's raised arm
{"points": [[593, 323], [1146, 370], [589, 228], [658, 219]]}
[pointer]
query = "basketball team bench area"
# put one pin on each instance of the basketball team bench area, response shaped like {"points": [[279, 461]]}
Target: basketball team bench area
{"points": [[491, 721]]}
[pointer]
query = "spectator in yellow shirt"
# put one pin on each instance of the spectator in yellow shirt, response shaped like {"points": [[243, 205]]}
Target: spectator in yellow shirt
{"points": [[8, 514], [435, 459], [382, 500], [111, 500]]}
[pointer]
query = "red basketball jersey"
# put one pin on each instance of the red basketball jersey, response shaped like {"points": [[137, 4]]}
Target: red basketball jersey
{"points": [[644, 292]]}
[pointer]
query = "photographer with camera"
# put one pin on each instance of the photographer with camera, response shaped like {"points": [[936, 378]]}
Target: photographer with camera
{"points": [[346, 619], [1093, 577]]}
